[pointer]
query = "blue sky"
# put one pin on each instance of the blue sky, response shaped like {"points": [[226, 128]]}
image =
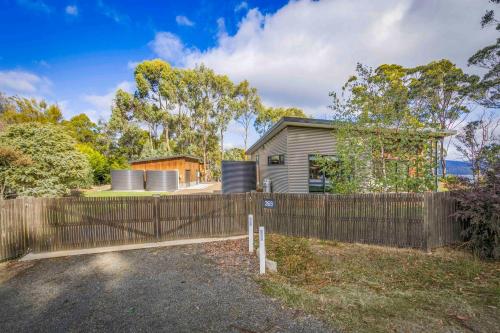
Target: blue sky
{"points": [[76, 53]]}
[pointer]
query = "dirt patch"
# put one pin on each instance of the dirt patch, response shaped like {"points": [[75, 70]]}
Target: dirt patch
{"points": [[194, 288]]}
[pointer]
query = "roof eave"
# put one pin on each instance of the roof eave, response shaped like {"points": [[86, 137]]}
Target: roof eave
{"points": [[316, 123]]}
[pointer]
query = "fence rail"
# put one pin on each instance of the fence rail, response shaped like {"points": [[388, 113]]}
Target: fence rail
{"points": [[49, 224]]}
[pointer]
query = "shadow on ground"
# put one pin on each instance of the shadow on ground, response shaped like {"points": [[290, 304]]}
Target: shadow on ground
{"points": [[177, 289]]}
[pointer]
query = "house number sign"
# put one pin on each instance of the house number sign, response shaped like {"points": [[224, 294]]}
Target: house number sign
{"points": [[268, 203]]}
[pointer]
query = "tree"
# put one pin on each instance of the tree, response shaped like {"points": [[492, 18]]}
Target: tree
{"points": [[234, 154], [127, 138], [440, 92], [56, 165], [488, 58], [380, 145], [267, 117], [82, 129], [202, 100], [225, 107], [248, 105], [98, 163], [155, 82], [17, 110], [476, 143]]}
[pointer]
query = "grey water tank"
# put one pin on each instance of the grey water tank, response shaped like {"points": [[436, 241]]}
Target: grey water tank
{"points": [[127, 180], [238, 176], [162, 180]]}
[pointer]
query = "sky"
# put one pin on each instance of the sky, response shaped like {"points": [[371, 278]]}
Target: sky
{"points": [[77, 53]]}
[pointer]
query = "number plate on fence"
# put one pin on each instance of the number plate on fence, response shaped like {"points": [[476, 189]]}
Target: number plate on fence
{"points": [[268, 203]]}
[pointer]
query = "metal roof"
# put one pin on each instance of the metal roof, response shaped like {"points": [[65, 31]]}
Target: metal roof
{"points": [[322, 123], [167, 158]]}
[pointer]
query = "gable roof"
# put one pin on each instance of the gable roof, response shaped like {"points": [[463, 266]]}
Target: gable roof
{"points": [[167, 158], [320, 123]]}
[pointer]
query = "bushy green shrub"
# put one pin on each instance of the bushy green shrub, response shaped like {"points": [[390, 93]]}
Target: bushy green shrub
{"points": [[98, 163], [479, 210], [56, 165]]}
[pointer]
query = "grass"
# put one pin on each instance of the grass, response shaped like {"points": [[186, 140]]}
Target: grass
{"points": [[360, 288], [107, 194]]}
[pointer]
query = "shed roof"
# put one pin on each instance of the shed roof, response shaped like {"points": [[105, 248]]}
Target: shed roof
{"points": [[322, 123], [167, 158]]}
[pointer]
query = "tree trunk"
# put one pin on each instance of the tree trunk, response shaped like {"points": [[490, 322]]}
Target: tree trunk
{"points": [[166, 133], [442, 157], [221, 147]]}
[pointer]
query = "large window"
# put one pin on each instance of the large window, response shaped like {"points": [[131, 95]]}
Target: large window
{"points": [[317, 180], [276, 159]]}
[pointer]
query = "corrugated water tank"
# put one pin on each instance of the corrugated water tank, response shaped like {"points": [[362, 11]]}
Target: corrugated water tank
{"points": [[127, 180], [162, 180], [239, 176]]}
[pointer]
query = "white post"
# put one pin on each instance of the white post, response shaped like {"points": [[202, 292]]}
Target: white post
{"points": [[262, 250], [250, 233]]}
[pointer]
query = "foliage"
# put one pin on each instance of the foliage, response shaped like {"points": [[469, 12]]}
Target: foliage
{"points": [[248, 106], [488, 58], [476, 143], [98, 163], [56, 165], [267, 117], [17, 110], [82, 129], [10, 159], [479, 210], [381, 145], [234, 154], [439, 93]]}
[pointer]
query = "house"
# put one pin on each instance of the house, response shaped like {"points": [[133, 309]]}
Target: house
{"points": [[189, 167], [286, 153]]}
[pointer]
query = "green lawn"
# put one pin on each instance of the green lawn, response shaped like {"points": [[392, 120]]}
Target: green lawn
{"points": [[107, 194], [361, 288]]}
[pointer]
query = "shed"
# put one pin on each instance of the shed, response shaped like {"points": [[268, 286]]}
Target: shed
{"points": [[190, 168]]}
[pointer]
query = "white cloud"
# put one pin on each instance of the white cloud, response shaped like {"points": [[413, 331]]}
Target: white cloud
{"points": [[297, 55], [133, 64], [101, 104], [42, 63], [35, 5], [184, 21], [23, 82], [170, 47], [72, 10], [241, 6], [112, 13]]}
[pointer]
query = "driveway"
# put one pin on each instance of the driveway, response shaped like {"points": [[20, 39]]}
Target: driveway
{"points": [[195, 288]]}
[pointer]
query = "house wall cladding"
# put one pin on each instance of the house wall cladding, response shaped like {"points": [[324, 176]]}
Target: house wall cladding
{"points": [[277, 173], [302, 142], [297, 143]]}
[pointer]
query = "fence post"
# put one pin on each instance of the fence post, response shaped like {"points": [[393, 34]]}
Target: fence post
{"points": [[325, 229], [428, 207], [156, 214], [250, 233], [262, 250]]}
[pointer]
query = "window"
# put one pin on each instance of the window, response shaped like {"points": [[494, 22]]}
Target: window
{"points": [[317, 180], [276, 159]]}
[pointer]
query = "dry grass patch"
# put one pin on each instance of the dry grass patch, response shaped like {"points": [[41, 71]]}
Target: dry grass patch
{"points": [[370, 288]]}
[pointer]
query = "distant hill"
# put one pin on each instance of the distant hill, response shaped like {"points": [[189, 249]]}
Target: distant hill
{"points": [[458, 168]]}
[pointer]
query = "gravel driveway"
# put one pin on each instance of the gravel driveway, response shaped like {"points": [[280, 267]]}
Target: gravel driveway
{"points": [[195, 288]]}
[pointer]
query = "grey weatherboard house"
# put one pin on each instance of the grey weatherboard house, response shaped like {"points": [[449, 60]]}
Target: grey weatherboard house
{"points": [[286, 153]]}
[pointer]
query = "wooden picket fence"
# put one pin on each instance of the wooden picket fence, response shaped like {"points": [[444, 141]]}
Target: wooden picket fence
{"points": [[394, 219]]}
